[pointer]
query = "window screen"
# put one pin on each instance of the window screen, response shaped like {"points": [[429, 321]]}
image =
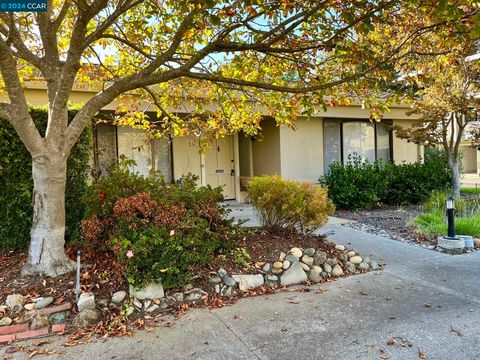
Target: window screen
{"points": [[359, 138], [331, 135], [383, 142]]}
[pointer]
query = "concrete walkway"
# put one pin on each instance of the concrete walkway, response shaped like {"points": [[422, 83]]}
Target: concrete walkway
{"points": [[423, 299]]}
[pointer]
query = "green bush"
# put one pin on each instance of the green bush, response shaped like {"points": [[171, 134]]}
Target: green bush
{"points": [[359, 184], [158, 231], [287, 204], [16, 184]]}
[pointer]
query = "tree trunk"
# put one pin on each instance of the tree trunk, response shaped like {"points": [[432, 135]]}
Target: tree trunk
{"points": [[47, 254], [454, 168]]}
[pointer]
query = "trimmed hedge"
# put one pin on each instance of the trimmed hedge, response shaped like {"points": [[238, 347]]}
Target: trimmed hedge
{"points": [[16, 183], [359, 184]]}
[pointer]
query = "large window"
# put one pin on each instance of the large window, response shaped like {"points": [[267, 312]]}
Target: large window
{"points": [[372, 141]]}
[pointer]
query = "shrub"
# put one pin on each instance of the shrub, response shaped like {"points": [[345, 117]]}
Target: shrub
{"points": [[357, 184], [16, 184], [158, 231], [288, 204]]}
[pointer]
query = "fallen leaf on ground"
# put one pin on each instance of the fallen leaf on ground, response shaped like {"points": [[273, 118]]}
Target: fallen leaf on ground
{"points": [[428, 305], [458, 332], [391, 341], [284, 328], [383, 354], [364, 293], [421, 354]]}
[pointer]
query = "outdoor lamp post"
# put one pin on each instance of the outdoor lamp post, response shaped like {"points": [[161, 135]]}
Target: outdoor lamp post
{"points": [[450, 205]]}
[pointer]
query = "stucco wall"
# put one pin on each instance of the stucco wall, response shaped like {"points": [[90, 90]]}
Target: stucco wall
{"points": [[266, 150], [404, 151], [302, 150]]}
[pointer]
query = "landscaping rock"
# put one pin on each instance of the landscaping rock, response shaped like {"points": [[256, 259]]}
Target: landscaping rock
{"points": [[331, 262], [367, 260], [309, 251], [43, 302], [267, 267], [151, 291], [15, 301], [305, 267], [277, 265], [86, 301], [222, 272], [39, 321], [195, 295], [314, 276], [226, 291], [215, 280], [356, 259], [119, 296], [324, 274], [138, 304], [327, 268], [178, 298], [57, 318], [152, 308], [89, 317], [277, 271], [246, 282], [129, 311], [363, 266], [292, 258], [103, 303], [229, 281], [271, 279], [281, 257], [286, 265], [351, 253], [317, 268], [307, 260], [147, 303], [29, 306], [476, 243], [5, 321], [340, 247], [350, 267], [337, 270], [374, 265], [319, 258], [294, 275], [296, 252], [343, 257]]}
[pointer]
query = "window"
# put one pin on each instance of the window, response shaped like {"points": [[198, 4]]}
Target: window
{"points": [[372, 141]]}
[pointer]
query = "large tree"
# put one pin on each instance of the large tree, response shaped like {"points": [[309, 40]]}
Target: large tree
{"points": [[244, 55]]}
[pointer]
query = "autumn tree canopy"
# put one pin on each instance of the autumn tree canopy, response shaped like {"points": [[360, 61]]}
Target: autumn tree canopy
{"points": [[279, 57]]}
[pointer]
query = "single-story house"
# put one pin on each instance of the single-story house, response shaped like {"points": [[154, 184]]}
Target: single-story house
{"points": [[302, 154]]}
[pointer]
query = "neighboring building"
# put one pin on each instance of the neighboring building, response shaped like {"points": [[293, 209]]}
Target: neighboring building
{"points": [[302, 154]]}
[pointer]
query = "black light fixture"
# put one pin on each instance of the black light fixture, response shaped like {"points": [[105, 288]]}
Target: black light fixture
{"points": [[450, 206]]}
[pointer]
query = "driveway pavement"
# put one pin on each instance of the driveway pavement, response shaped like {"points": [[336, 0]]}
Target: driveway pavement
{"points": [[426, 301]]}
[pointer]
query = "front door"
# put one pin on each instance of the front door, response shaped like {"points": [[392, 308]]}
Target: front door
{"points": [[219, 166]]}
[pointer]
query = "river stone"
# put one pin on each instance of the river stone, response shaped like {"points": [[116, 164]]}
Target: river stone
{"points": [[247, 282], [305, 267], [374, 265], [151, 291], [43, 302], [277, 265], [57, 318], [309, 251], [88, 317], [351, 253], [281, 257], [337, 270], [327, 268], [294, 275], [5, 321], [367, 260], [324, 274], [29, 306], [86, 301], [296, 252], [314, 276], [292, 258], [277, 271], [215, 280], [343, 257], [350, 267], [222, 272], [266, 267], [271, 278], [152, 308], [39, 321], [307, 260], [319, 258], [227, 291], [363, 266], [356, 259], [286, 265], [317, 268], [331, 262], [340, 247], [119, 296], [15, 301], [138, 304], [229, 281], [195, 295]]}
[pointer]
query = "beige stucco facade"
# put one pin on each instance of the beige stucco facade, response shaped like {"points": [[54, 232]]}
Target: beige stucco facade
{"points": [[277, 150]]}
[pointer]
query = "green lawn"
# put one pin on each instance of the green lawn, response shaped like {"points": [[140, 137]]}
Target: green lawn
{"points": [[466, 190], [434, 223]]}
